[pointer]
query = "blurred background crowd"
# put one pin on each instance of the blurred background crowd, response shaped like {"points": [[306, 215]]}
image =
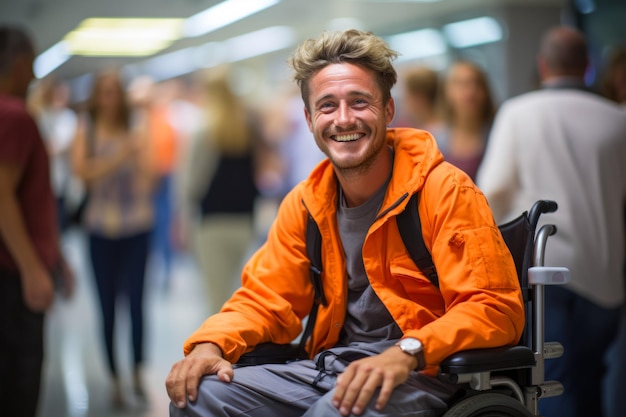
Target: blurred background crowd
{"points": [[210, 150]]}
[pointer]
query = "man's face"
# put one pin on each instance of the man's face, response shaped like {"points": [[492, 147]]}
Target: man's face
{"points": [[347, 115]]}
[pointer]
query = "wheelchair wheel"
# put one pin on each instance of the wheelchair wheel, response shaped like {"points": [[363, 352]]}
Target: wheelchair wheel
{"points": [[488, 405]]}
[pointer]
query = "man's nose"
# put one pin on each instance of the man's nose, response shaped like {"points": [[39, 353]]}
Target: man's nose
{"points": [[345, 115]]}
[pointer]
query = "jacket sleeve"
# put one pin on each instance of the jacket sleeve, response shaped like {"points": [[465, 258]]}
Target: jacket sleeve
{"points": [[477, 276], [275, 295]]}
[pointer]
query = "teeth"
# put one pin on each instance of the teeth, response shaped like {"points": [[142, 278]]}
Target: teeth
{"points": [[347, 138]]}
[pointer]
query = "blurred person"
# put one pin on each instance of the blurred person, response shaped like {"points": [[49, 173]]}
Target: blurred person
{"points": [[380, 307], [290, 156], [112, 157], [185, 115], [613, 87], [468, 110], [285, 127], [567, 144], [30, 253], [49, 103], [152, 100], [218, 189], [421, 97]]}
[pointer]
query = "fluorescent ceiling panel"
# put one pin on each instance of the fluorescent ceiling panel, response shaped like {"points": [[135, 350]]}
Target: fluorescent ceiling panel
{"points": [[259, 42], [212, 54], [417, 44], [223, 14], [472, 32], [122, 36], [51, 59]]}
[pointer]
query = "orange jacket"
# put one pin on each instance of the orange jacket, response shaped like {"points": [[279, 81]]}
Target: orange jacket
{"points": [[479, 301]]}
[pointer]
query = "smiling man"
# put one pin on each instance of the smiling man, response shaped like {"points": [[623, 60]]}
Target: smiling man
{"points": [[385, 327]]}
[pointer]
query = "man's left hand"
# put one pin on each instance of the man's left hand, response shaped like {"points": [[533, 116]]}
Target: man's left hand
{"points": [[360, 380]]}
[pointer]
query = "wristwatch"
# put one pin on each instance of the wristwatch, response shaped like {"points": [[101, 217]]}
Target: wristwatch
{"points": [[413, 347]]}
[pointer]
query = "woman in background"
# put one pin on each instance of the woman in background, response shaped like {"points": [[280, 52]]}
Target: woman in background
{"points": [[218, 188], [468, 110], [113, 160]]}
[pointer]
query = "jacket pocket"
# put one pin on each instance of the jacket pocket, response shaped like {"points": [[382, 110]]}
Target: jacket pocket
{"points": [[489, 258]]}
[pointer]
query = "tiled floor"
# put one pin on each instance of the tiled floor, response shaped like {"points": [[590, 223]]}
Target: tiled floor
{"points": [[75, 380]]}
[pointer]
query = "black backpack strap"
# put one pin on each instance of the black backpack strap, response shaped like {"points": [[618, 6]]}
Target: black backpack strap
{"points": [[314, 253], [410, 228]]}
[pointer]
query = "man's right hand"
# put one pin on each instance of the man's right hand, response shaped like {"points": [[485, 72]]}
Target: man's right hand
{"points": [[37, 289], [184, 377]]}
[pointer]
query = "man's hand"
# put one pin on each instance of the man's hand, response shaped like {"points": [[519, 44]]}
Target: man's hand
{"points": [[184, 378], [358, 383], [37, 289]]}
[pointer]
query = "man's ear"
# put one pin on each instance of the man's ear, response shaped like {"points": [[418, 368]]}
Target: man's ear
{"points": [[309, 121], [390, 111]]}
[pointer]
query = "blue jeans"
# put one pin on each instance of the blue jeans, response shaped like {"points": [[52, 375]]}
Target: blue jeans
{"points": [[119, 268], [586, 331]]}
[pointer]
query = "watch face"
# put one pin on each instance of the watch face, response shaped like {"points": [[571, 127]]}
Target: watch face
{"points": [[410, 345]]}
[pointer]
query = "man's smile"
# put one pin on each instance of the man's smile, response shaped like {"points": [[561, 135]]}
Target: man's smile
{"points": [[351, 137]]}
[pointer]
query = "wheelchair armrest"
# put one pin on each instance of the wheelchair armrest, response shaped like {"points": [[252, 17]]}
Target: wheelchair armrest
{"points": [[485, 360]]}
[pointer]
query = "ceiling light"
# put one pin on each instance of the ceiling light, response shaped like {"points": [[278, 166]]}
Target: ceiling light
{"points": [[122, 36], [417, 44], [212, 54], [50, 59], [223, 14], [473, 32], [259, 42]]}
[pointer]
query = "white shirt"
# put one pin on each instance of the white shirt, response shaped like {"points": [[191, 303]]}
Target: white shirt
{"points": [[569, 146]]}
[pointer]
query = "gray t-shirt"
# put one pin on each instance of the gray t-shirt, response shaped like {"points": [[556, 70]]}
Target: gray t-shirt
{"points": [[367, 318]]}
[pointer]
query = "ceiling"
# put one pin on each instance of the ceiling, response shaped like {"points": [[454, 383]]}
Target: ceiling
{"points": [[49, 20]]}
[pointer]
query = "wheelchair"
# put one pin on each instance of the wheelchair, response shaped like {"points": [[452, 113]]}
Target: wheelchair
{"points": [[509, 381]]}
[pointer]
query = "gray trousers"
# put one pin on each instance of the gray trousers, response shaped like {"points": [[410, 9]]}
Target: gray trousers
{"points": [[305, 388]]}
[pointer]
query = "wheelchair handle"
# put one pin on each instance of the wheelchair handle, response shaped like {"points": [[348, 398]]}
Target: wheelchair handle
{"points": [[541, 207]]}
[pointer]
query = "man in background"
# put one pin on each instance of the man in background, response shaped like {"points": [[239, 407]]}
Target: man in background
{"points": [[29, 243], [567, 144]]}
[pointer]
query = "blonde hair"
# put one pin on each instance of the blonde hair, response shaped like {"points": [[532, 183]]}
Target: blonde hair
{"points": [[228, 121], [350, 46]]}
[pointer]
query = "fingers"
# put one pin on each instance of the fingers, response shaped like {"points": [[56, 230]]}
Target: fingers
{"points": [[385, 392], [358, 384], [176, 384], [184, 378], [356, 387]]}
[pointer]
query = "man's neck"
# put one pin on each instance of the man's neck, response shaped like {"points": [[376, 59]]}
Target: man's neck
{"points": [[358, 187], [564, 82]]}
